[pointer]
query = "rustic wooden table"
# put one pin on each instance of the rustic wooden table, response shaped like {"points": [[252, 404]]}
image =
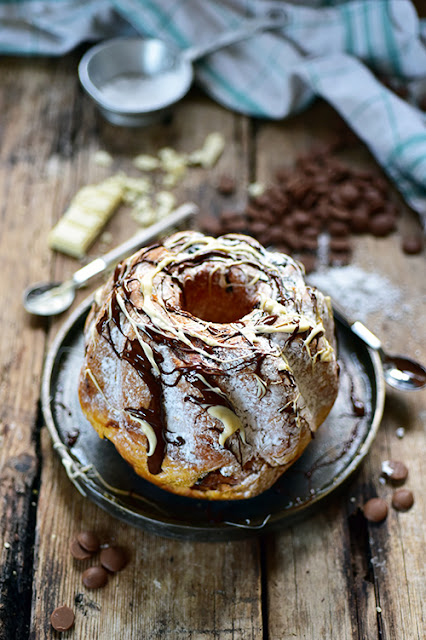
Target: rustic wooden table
{"points": [[333, 575]]}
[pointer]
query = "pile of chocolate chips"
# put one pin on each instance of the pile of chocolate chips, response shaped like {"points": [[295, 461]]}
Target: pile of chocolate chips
{"points": [[376, 509], [320, 197], [111, 560]]}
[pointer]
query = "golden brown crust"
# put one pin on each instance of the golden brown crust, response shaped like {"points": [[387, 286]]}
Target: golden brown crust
{"points": [[209, 364]]}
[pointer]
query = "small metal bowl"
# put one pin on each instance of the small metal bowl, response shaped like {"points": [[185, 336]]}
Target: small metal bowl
{"points": [[133, 81]]}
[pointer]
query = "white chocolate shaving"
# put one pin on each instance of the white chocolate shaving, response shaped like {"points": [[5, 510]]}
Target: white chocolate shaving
{"points": [[261, 386], [148, 431], [209, 154], [230, 421]]}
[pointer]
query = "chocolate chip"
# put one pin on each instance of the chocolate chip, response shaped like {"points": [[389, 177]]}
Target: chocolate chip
{"points": [[95, 577], [293, 240], [309, 261], [62, 618], [375, 510], [282, 174], [72, 437], [338, 213], [402, 499], [395, 470], [340, 244], [263, 201], [282, 247], [358, 407], [296, 186], [226, 185], [264, 215], [277, 208], [375, 200], [359, 220], [113, 558], [77, 550], [307, 243], [412, 245], [339, 258], [382, 225], [276, 234], [89, 540], [338, 228], [311, 232], [349, 194], [257, 227], [232, 221], [300, 218], [310, 200], [211, 225]]}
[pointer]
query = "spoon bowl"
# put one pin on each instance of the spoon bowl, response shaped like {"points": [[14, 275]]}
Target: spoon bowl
{"points": [[399, 372], [49, 298], [403, 373]]}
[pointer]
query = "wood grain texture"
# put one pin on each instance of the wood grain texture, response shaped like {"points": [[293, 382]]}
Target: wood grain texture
{"points": [[332, 576], [24, 223], [340, 576], [169, 589]]}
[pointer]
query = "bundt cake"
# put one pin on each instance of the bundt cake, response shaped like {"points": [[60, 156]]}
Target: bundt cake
{"points": [[209, 364]]}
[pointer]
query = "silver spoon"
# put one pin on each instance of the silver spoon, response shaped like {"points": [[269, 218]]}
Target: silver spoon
{"points": [[52, 298], [399, 372]]}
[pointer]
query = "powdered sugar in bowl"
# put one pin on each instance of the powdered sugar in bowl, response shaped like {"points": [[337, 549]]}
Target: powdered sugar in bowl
{"points": [[134, 81]]}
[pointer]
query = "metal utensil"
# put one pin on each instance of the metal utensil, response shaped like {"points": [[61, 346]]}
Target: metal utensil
{"points": [[52, 298], [135, 81], [399, 372]]}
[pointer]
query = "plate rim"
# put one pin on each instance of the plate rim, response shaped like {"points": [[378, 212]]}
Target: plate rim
{"points": [[227, 530]]}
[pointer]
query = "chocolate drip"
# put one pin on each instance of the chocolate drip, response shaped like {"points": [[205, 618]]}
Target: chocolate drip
{"points": [[209, 397], [135, 356], [357, 404], [154, 414]]}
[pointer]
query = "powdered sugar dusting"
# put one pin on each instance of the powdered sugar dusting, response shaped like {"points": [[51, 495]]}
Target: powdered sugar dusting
{"points": [[359, 293]]}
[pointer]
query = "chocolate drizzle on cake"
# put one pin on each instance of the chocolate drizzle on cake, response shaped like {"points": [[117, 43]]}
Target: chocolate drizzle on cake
{"points": [[150, 308]]}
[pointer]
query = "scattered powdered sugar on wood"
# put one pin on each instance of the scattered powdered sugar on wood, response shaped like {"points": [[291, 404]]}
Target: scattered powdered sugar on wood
{"points": [[360, 293]]}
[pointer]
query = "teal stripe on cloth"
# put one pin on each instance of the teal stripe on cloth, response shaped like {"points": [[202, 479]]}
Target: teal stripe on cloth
{"points": [[363, 105], [411, 167], [347, 21], [393, 121], [366, 21], [391, 45], [418, 139], [135, 13], [247, 105]]}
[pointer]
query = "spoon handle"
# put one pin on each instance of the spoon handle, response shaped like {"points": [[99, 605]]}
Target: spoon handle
{"points": [[357, 327], [246, 29], [99, 265]]}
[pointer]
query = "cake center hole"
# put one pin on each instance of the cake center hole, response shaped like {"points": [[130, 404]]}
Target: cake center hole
{"points": [[219, 297]]}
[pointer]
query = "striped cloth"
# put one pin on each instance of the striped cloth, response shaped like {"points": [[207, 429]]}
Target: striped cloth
{"points": [[334, 49]]}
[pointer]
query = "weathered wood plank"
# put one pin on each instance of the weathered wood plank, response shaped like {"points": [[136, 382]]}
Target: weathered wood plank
{"points": [[170, 589], [336, 576], [27, 139], [323, 578]]}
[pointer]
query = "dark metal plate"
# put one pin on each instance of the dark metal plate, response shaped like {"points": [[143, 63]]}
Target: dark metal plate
{"points": [[103, 476]]}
